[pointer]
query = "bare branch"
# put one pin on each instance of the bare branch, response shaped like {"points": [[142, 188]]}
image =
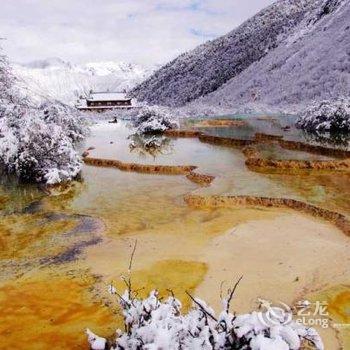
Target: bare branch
{"points": [[201, 307], [132, 256], [232, 293], [128, 281], [122, 299], [171, 292]]}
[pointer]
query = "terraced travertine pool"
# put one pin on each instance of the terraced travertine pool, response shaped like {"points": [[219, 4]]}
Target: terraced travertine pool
{"points": [[59, 252]]}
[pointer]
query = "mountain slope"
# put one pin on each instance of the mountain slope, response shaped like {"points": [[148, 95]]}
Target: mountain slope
{"points": [[56, 79], [212, 64], [313, 64]]}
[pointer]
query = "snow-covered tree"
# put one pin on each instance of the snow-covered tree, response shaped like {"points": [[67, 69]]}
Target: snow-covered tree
{"points": [[68, 118], [154, 119], [37, 147], [327, 116], [37, 142], [8, 93]]}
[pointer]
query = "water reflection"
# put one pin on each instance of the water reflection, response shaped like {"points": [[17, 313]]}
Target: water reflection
{"points": [[283, 125], [15, 195], [153, 145], [337, 140]]}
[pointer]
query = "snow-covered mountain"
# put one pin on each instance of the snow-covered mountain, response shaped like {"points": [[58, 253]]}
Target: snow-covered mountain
{"points": [[289, 54], [311, 65], [56, 79]]}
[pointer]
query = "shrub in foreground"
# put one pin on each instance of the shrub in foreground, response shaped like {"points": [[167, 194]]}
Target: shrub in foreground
{"points": [[153, 323]]}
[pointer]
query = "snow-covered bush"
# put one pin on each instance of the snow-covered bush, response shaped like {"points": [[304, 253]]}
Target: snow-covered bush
{"points": [[8, 93], [154, 323], [37, 143], [327, 116], [68, 118], [154, 119]]}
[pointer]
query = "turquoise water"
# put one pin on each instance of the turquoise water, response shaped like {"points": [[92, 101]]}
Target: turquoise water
{"points": [[274, 125]]}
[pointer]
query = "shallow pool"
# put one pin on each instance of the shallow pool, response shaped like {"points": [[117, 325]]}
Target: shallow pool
{"points": [[60, 252]]}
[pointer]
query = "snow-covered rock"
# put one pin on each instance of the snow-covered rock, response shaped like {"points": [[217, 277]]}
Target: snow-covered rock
{"points": [[56, 79], [327, 116], [154, 119]]}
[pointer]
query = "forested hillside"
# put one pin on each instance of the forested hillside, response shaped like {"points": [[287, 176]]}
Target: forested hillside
{"points": [[286, 57], [209, 66], [312, 65]]}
